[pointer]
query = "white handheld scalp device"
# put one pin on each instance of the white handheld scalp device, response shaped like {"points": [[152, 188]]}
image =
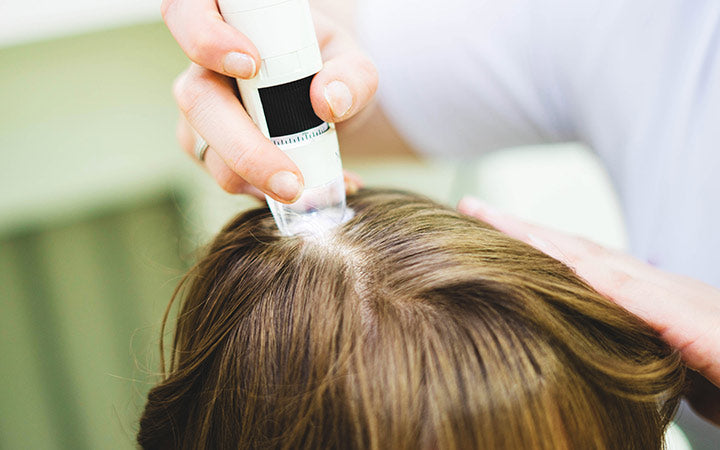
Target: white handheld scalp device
{"points": [[278, 100]]}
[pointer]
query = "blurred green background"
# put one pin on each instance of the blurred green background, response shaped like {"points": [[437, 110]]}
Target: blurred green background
{"points": [[90, 221], [101, 214]]}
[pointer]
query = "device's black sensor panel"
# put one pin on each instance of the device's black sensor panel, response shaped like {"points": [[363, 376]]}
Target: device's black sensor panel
{"points": [[288, 109]]}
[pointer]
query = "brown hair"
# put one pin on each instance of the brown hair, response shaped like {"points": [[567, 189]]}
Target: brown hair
{"points": [[411, 326]]}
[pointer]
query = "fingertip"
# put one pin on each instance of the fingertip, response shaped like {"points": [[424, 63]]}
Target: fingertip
{"points": [[285, 186], [343, 88], [211, 42], [319, 100], [469, 205], [339, 99], [488, 211], [485, 212], [240, 65]]}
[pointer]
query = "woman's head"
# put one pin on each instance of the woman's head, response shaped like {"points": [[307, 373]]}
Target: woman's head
{"points": [[411, 326]]}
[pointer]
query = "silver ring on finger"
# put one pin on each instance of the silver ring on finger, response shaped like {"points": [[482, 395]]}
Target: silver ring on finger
{"points": [[201, 148]]}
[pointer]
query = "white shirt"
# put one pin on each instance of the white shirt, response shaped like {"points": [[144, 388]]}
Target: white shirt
{"points": [[637, 80]]}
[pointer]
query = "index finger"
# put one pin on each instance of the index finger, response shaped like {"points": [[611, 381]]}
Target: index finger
{"points": [[207, 40], [209, 104]]}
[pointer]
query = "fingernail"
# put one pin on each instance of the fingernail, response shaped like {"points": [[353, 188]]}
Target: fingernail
{"points": [[286, 186], [239, 65], [339, 98]]}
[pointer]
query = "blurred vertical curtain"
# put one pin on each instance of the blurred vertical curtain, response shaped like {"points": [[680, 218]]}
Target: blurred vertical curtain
{"points": [[81, 304]]}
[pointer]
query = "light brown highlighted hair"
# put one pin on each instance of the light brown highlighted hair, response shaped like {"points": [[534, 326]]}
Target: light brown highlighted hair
{"points": [[410, 327]]}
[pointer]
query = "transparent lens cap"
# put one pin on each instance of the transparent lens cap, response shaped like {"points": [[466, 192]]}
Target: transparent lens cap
{"points": [[318, 210]]}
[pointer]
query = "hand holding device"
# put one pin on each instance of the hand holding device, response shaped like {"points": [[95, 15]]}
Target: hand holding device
{"points": [[278, 100], [240, 158]]}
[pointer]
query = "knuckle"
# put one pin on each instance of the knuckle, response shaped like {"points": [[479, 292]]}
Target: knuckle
{"points": [[178, 85], [203, 44], [230, 183], [189, 93], [242, 161]]}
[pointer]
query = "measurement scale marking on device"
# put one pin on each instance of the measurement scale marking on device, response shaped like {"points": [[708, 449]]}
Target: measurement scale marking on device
{"points": [[301, 138]]}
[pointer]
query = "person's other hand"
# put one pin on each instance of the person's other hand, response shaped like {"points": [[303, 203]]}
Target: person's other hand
{"points": [[685, 312], [239, 157]]}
